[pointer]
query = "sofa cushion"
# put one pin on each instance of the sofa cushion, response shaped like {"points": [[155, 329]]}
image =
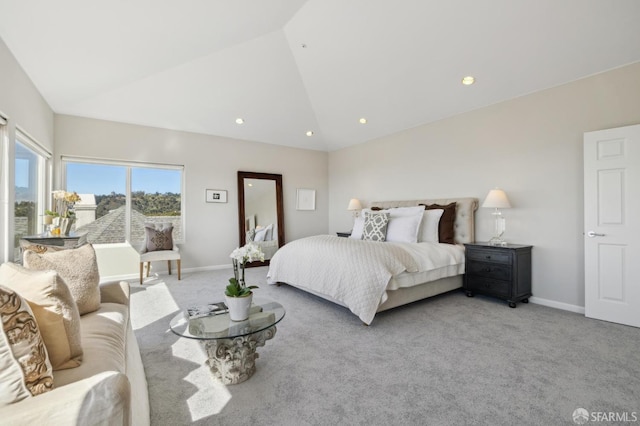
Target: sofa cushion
{"points": [[78, 268], [25, 369], [55, 310], [104, 334]]}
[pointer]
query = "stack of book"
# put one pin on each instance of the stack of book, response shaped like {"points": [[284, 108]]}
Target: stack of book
{"points": [[206, 310]]}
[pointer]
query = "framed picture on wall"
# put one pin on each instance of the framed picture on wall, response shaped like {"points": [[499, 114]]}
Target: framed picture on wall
{"points": [[306, 199], [216, 196]]}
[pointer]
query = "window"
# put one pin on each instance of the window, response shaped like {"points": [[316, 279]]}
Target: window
{"points": [[4, 205], [118, 198], [30, 176]]}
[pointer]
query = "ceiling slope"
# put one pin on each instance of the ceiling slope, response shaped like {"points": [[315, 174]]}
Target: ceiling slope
{"points": [[291, 66]]}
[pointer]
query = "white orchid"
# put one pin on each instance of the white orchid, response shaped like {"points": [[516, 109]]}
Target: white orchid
{"points": [[248, 253]]}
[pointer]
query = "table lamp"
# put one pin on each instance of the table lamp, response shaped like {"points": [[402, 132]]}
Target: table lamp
{"points": [[354, 206], [497, 199]]}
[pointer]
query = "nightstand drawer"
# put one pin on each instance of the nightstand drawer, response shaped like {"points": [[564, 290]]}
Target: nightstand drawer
{"points": [[490, 270], [487, 285], [489, 256]]}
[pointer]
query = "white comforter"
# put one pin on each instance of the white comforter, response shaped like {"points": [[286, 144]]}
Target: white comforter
{"points": [[354, 272]]}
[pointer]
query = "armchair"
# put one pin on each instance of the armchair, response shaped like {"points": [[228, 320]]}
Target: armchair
{"points": [[158, 246]]}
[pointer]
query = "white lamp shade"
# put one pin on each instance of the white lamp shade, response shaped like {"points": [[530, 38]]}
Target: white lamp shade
{"points": [[497, 199], [354, 204]]}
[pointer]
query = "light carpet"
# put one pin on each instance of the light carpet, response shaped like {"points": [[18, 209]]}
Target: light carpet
{"points": [[448, 360]]}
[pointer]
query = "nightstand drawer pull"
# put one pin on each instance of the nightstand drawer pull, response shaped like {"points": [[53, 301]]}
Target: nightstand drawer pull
{"points": [[486, 256]]}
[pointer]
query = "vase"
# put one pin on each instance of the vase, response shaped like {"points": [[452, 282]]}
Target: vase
{"points": [[65, 225], [239, 307]]}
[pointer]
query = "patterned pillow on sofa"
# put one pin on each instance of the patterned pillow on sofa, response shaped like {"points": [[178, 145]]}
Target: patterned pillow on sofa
{"points": [[25, 369]]}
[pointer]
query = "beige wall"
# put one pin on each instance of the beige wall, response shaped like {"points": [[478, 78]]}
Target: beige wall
{"points": [[531, 147], [210, 163], [26, 108]]}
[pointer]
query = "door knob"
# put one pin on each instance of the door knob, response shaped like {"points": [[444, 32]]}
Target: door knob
{"points": [[592, 234]]}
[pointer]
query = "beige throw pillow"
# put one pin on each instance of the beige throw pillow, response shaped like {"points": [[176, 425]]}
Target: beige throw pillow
{"points": [[25, 369], [55, 310], [78, 268]]}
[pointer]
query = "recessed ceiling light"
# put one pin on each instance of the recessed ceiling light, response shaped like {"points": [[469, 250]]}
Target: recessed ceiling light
{"points": [[468, 80], [249, 184], [309, 133], [363, 120], [239, 121]]}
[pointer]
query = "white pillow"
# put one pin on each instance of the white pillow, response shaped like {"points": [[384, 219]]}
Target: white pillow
{"points": [[260, 234], [404, 211], [358, 225], [429, 226], [404, 229], [269, 233]]}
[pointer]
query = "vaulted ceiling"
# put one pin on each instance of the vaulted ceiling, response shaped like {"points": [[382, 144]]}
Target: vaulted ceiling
{"points": [[287, 67]]}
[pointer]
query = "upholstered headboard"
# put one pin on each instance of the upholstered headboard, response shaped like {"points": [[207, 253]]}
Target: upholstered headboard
{"points": [[464, 226]]}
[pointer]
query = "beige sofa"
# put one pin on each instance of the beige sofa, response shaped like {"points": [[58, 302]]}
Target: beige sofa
{"points": [[108, 388]]}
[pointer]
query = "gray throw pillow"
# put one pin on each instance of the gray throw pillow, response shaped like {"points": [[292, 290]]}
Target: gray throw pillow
{"points": [[375, 226], [159, 239]]}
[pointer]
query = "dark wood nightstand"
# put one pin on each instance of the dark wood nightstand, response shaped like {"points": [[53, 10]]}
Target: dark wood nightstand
{"points": [[344, 234], [499, 271]]}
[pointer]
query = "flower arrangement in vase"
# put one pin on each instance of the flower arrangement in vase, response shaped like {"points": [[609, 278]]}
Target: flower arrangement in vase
{"points": [[62, 216], [237, 294]]}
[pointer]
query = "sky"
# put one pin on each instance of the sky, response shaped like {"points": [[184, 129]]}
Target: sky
{"points": [[99, 179], [102, 180]]}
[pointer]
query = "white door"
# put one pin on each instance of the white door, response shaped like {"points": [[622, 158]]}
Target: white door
{"points": [[612, 225]]}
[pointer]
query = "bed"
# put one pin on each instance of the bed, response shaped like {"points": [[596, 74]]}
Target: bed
{"points": [[369, 277]]}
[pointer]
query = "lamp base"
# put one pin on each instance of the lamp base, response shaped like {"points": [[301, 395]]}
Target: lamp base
{"points": [[497, 241]]}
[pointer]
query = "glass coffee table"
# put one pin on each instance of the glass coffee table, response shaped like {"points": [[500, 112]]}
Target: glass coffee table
{"points": [[230, 345]]}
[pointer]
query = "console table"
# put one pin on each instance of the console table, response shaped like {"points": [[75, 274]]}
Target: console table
{"points": [[73, 240]]}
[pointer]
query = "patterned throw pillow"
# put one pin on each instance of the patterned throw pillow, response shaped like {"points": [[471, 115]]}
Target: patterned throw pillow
{"points": [[375, 226], [54, 309], [251, 234], [25, 369], [77, 267], [159, 239]]}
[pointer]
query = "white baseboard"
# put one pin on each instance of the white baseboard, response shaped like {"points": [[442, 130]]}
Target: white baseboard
{"points": [[557, 305]]}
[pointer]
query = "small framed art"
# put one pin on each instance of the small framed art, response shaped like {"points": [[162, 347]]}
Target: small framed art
{"points": [[306, 199], [216, 196]]}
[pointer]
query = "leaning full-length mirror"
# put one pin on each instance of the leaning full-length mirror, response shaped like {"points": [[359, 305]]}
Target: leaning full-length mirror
{"points": [[260, 212]]}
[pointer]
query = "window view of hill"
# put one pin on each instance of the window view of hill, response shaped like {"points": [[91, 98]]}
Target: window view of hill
{"points": [[157, 204]]}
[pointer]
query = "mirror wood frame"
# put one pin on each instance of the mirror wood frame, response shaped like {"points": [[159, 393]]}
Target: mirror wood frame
{"points": [[241, 210]]}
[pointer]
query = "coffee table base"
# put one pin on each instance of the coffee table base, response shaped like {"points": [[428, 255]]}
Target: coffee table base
{"points": [[233, 361]]}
